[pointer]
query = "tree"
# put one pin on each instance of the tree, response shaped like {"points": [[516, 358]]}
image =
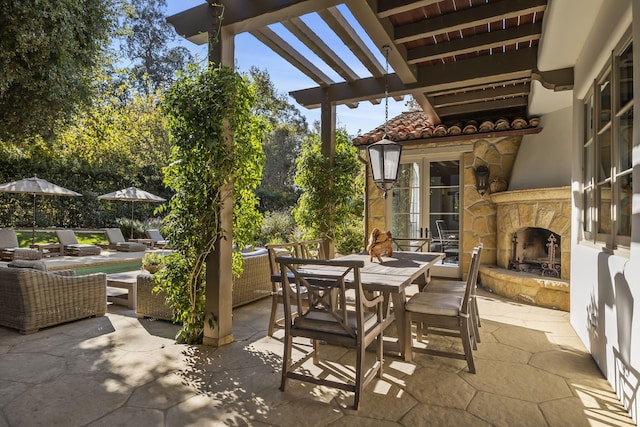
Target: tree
{"points": [[281, 146], [147, 46], [49, 51]]}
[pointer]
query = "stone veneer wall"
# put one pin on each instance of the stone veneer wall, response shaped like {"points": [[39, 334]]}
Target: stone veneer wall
{"points": [[478, 212]]}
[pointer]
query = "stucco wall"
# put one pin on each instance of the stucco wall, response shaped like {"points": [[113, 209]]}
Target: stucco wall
{"points": [[605, 282], [544, 159]]}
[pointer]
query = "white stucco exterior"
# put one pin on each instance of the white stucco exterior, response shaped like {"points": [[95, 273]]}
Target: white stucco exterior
{"points": [[605, 282], [544, 159]]}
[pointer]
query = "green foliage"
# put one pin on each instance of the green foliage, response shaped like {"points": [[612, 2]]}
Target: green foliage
{"points": [[332, 196], [147, 42], [49, 51], [281, 145], [117, 142], [126, 225], [217, 142], [350, 236], [277, 227]]}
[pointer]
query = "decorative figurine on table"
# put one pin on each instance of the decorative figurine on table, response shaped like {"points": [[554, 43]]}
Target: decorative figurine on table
{"points": [[379, 244]]}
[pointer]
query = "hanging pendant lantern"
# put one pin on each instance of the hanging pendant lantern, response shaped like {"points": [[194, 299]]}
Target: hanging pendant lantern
{"points": [[384, 155]]}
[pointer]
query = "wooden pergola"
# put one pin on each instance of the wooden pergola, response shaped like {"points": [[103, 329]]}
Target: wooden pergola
{"points": [[459, 59]]}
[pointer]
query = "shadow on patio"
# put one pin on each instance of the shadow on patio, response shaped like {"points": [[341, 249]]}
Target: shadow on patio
{"points": [[119, 370]]}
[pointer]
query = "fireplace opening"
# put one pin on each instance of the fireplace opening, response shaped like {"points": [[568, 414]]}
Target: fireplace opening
{"points": [[537, 251]]}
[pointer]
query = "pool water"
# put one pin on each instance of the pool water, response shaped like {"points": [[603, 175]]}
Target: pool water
{"points": [[110, 268]]}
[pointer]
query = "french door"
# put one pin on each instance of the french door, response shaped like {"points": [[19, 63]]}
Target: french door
{"points": [[426, 203]]}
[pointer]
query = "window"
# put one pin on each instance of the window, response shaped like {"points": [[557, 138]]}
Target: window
{"points": [[607, 177]]}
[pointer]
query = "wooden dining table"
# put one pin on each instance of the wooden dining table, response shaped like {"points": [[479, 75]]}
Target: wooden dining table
{"points": [[391, 277]]}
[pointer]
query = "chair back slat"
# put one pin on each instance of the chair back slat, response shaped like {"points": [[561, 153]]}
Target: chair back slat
{"points": [[291, 249], [312, 249], [472, 277]]}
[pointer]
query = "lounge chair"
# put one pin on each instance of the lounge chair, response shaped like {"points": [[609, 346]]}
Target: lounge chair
{"points": [[119, 243], [71, 246], [10, 248], [157, 238]]}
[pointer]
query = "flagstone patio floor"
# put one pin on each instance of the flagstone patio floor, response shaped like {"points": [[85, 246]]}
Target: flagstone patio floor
{"points": [[532, 370]]}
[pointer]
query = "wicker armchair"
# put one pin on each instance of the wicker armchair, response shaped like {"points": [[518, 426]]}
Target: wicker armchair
{"points": [[255, 281], [31, 299]]}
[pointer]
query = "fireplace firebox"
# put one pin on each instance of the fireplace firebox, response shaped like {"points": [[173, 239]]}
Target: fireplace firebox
{"points": [[536, 250]]}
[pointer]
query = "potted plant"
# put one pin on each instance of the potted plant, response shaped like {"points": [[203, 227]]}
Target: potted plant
{"points": [[152, 262]]}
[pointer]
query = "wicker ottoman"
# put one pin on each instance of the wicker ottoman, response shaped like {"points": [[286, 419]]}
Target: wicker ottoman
{"points": [[149, 303]]}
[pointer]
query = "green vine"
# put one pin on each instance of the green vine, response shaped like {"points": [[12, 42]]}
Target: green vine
{"points": [[323, 210], [216, 141]]}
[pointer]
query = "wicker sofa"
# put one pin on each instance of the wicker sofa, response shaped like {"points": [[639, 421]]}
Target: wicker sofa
{"points": [[253, 284], [32, 299]]}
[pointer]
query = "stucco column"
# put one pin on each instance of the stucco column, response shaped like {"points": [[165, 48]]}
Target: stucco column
{"points": [[218, 329], [328, 138]]}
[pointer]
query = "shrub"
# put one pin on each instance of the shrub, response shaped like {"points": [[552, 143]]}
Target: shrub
{"points": [[277, 227], [350, 237]]}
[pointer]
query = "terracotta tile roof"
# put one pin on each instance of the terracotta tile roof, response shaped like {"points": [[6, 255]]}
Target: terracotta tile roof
{"points": [[415, 125]]}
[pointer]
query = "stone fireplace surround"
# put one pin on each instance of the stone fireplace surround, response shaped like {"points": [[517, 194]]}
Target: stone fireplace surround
{"points": [[547, 208]]}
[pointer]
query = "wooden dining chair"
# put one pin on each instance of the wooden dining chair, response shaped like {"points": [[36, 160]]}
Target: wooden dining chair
{"points": [[458, 287], [333, 322], [447, 314], [312, 249], [291, 249]]}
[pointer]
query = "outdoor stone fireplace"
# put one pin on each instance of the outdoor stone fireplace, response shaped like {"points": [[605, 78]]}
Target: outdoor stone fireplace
{"points": [[529, 225]]}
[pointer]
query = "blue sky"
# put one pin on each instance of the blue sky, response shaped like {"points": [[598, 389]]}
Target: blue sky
{"points": [[251, 52]]}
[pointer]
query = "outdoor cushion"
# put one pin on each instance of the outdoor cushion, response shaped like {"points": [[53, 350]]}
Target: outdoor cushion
{"points": [[434, 303], [26, 263]]}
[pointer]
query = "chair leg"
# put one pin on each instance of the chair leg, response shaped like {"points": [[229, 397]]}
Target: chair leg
{"points": [[408, 339], [465, 333], [274, 312], [380, 352], [475, 307], [286, 361], [474, 324], [358, 385]]}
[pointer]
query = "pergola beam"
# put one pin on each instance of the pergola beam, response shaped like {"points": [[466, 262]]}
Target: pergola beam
{"points": [[284, 49], [484, 41], [392, 7], [476, 71], [380, 31], [467, 97], [338, 23], [467, 18], [498, 104], [310, 39]]}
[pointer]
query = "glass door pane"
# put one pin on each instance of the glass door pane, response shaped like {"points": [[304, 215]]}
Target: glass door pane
{"points": [[406, 202], [444, 208]]}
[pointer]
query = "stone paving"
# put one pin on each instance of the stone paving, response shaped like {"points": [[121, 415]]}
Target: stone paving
{"points": [[117, 370]]}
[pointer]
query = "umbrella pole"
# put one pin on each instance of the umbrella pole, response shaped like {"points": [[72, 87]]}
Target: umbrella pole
{"points": [[33, 223], [132, 219]]}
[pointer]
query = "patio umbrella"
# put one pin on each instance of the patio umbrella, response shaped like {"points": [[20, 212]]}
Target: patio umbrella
{"points": [[36, 186], [132, 194]]}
